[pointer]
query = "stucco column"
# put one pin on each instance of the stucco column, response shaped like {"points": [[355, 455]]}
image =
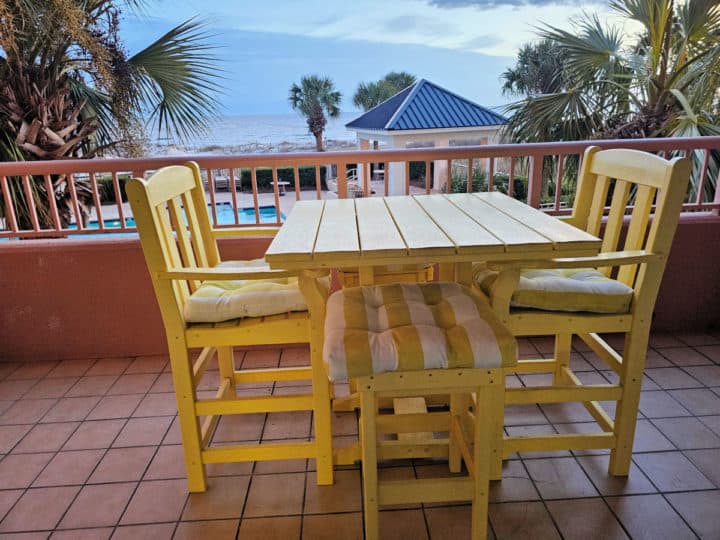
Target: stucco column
{"points": [[396, 171], [361, 168], [440, 175]]}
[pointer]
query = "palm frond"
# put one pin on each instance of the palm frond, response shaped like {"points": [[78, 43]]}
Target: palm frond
{"points": [[178, 80], [594, 52], [554, 117], [98, 106]]}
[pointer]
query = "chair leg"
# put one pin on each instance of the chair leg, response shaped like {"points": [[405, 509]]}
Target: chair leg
{"points": [[563, 344], [189, 425], [368, 446], [322, 414], [627, 407], [226, 365]]}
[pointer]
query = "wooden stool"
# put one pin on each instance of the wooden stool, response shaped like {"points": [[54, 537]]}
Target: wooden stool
{"points": [[421, 339]]}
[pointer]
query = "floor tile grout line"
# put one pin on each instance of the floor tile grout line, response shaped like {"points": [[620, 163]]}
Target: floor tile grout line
{"points": [[110, 446]]}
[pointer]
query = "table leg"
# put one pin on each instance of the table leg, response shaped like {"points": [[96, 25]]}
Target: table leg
{"points": [[446, 271], [366, 275], [316, 297], [463, 273]]}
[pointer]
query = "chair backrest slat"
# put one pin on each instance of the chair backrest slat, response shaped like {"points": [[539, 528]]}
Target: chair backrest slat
{"points": [[184, 238], [596, 208], [616, 216], [637, 229], [653, 182]]}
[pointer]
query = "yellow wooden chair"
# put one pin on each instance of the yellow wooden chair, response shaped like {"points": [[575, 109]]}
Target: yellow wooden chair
{"points": [[614, 292], [204, 307], [410, 339]]}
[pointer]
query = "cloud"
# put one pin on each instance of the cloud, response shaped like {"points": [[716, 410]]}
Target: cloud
{"points": [[427, 26], [480, 42], [492, 4]]}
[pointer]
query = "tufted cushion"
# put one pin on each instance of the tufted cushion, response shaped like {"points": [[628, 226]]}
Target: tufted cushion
{"points": [[412, 326], [572, 289], [216, 301]]}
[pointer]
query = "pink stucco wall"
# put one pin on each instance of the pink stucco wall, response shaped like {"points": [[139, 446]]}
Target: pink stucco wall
{"points": [[84, 298]]}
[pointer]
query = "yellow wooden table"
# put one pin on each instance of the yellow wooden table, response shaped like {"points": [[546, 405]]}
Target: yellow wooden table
{"points": [[452, 230]]}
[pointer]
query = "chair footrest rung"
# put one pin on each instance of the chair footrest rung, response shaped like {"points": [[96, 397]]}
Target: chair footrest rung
{"points": [[427, 490], [245, 405], [270, 375], [559, 394], [562, 441], [258, 452], [420, 449]]}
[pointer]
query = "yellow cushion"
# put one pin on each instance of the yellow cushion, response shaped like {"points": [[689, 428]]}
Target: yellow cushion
{"points": [[571, 289], [412, 326], [216, 301]]}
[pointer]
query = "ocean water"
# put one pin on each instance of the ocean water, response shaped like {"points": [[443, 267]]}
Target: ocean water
{"points": [[263, 133]]}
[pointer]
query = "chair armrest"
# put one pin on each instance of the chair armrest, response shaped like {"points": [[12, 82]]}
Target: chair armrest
{"points": [[610, 258], [228, 273], [245, 231]]}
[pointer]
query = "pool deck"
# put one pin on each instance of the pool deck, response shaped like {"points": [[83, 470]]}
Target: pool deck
{"points": [[244, 200]]}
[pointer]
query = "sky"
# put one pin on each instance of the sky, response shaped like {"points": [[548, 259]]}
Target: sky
{"points": [[461, 45]]}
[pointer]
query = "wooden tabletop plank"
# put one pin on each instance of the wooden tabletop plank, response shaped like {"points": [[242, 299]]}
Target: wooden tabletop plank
{"points": [[421, 234], [338, 232], [466, 233], [563, 235], [376, 228], [514, 234], [296, 238]]}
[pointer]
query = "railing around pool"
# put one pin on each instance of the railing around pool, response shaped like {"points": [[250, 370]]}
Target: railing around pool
{"points": [[89, 194]]}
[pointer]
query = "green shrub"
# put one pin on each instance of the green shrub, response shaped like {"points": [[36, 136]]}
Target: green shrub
{"points": [[500, 183], [458, 182], [417, 170], [106, 190], [285, 174]]}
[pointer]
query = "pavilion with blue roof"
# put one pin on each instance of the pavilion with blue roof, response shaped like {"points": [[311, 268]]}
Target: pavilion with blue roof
{"points": [[426, 114]]}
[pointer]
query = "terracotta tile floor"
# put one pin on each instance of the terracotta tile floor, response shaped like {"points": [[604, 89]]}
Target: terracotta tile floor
{"points": [[91, 449]]}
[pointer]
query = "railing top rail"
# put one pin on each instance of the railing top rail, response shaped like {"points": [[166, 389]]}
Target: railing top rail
{"points": [[135, 165]]}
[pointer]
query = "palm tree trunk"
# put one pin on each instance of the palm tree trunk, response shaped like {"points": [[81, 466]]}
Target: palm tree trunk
{"points": [[319, 141]]}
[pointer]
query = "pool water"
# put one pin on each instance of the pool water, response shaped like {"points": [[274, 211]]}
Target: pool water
{"points": [[224, 216]]}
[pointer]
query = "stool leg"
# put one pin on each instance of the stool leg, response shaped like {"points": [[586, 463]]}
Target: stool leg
{"points": [[459, 404], [487, 442], [368, 445]]}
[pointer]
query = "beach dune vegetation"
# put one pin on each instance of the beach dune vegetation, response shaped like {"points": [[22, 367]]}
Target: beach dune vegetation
{"points": [[314, 97]]}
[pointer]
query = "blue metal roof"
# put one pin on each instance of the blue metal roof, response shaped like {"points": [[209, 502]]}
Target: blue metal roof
{"points": [[425, 105]]}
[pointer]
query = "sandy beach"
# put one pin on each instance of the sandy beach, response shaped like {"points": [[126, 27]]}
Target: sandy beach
{"points": [[247, 148]]}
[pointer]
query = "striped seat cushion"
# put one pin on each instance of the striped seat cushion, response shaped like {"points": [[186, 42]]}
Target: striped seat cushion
{"points": [[216, 301], [571, 289], [412, 326]]}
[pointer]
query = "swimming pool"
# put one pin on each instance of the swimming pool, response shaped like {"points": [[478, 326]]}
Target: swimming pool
{"points": [[225, 216]]}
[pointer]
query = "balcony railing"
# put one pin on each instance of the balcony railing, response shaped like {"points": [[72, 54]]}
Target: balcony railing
{"points": [[543, 175]]}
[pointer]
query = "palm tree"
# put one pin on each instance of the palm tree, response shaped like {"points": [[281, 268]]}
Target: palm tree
{"points": [[313, 98], [70, 90], [369, 95], [539, 70], [663, 86]]}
